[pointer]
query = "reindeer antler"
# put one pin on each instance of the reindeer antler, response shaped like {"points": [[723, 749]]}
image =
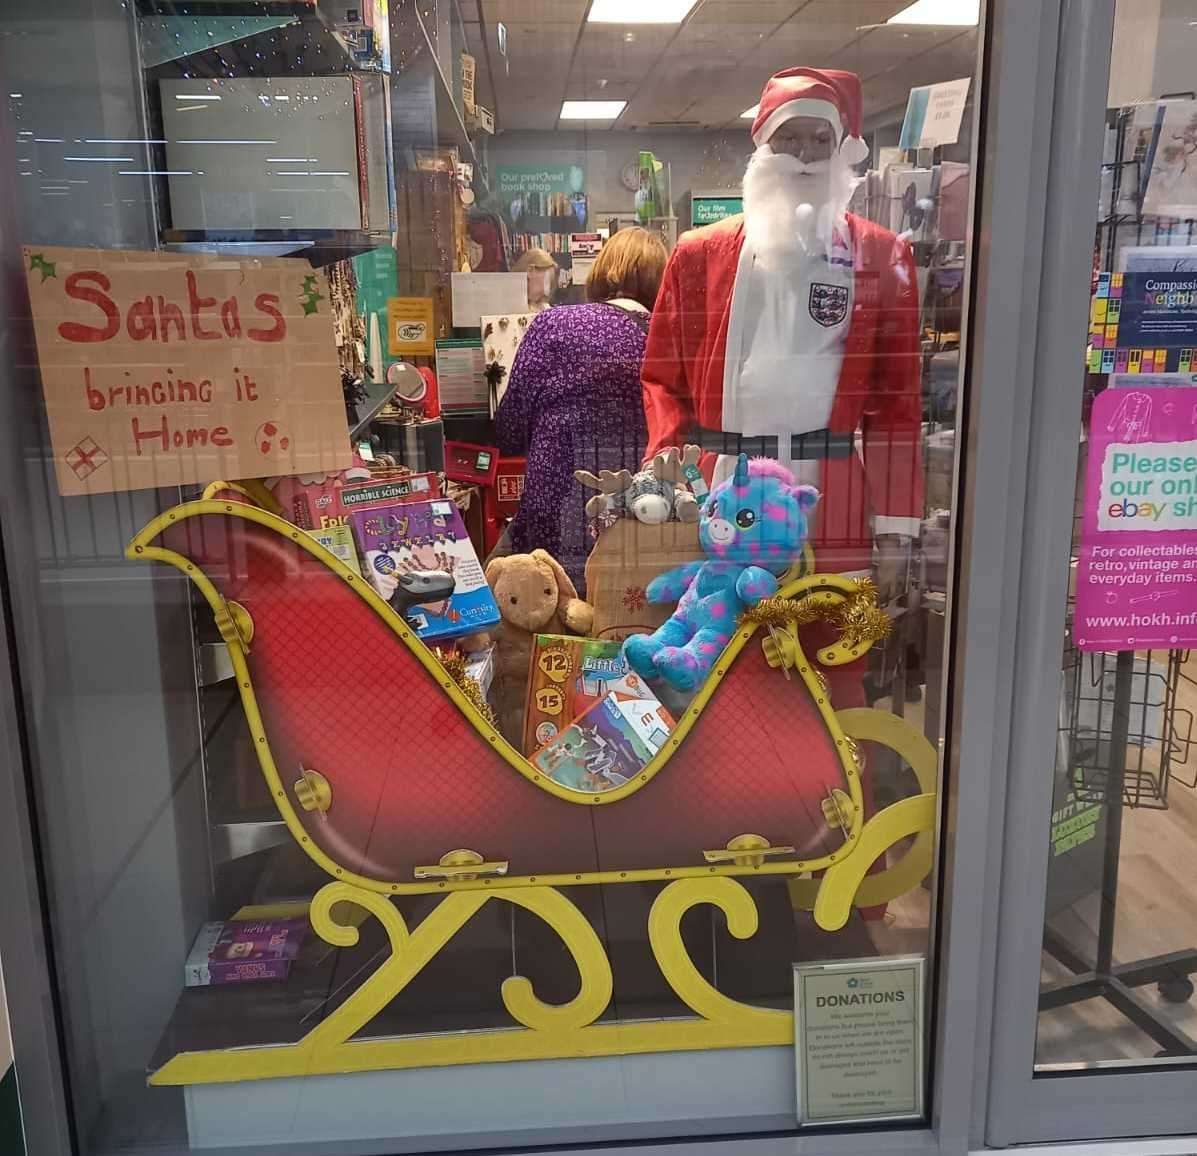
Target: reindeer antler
{"points": [[670, 465], [609, 483], [667, 466], [605, 481]]}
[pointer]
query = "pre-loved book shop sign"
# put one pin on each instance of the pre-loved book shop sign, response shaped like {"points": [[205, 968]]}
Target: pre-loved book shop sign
{"points": [[1136, 583], [164, 369]]}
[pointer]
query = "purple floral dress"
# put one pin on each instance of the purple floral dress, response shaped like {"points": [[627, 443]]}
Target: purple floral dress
{"points": [[573, 402]]}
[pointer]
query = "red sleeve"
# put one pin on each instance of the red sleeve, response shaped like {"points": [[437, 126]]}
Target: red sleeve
{"points": [[668, 405], [892, 423]]}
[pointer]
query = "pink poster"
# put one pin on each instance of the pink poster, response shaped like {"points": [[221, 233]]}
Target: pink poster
{"points": [[1136, 583]]}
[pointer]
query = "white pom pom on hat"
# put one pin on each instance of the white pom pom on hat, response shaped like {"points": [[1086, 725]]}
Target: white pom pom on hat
{"points": [[828, 93]]}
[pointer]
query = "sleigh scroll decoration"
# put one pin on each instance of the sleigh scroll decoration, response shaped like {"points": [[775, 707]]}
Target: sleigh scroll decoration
{"points": [[394, 783]]}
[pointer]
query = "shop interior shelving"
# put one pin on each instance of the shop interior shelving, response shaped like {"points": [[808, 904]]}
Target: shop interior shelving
{"points": [[297, 38]]}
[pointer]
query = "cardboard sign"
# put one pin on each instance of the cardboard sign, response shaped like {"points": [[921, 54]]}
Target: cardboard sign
{"points": [[858, 1040], [163, 369], [411, 330], [1136, 582]]}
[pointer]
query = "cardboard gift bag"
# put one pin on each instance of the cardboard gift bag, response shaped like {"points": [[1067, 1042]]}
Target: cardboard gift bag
{"points": [[626, 558]]}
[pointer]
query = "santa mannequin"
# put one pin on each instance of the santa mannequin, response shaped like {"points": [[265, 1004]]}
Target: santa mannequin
{"points": [[792, 331]]}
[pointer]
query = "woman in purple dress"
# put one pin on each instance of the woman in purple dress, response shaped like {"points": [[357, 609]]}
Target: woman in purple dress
{"points": [[574, 401]]}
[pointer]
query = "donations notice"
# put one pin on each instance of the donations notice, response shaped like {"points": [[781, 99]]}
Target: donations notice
{"points": [[164, 369], [1136, 582]]}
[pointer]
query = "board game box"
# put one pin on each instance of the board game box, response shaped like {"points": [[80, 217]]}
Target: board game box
{"points": [[323, 502], [608, 745], [241, 951], [567, 676], [338, 540], [418, 556]]}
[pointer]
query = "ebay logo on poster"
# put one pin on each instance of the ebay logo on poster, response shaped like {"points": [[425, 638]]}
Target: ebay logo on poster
{"points": [[1148, 490], [1137, 564]]}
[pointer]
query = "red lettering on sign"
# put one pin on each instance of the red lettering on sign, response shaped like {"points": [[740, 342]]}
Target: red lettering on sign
{"points": [[268, 303], [170, 314], [176, 438], [141, 323], [77, 287], [230, 318], [197, 305], [95, 399]]}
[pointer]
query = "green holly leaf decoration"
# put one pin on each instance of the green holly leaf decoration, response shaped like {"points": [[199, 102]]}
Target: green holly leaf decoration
{"points": [[47, 268], [310, 295]]}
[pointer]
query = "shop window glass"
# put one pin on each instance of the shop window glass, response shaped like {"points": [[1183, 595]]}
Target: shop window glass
{"points": [[490, 473], [1120, 940]]}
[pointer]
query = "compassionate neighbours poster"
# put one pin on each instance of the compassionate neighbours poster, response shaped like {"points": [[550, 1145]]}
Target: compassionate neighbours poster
{"points": [[1137, 570]]}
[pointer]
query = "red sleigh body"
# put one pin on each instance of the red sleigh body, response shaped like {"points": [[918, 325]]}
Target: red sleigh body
{"points": [[383, 769]]}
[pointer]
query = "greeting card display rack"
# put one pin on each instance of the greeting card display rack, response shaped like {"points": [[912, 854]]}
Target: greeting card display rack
{"points": [[1101, 773]]}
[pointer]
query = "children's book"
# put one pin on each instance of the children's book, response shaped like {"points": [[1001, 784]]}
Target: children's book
{"points": [[418, 557], [608, 745], [566, 677]]}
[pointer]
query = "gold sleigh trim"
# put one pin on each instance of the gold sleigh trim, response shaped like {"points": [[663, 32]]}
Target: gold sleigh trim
{"points": [[783, 648], [569, 1030]]}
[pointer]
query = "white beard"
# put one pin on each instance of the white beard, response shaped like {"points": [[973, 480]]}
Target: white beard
{"points": [[792, 209]]}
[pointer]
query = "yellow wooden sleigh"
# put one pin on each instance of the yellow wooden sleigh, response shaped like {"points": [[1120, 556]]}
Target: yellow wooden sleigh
{"points": [[392, 781]]}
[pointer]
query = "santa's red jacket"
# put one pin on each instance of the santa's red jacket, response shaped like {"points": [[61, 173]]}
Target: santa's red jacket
{"points": [[878, 398]]}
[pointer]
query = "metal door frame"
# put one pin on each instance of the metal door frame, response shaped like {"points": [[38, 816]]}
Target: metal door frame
{"points": [[1023, 1107]]}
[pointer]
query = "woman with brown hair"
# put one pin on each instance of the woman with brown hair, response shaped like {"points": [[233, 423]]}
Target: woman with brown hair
{"points": [[542, 278], [574, 399]]}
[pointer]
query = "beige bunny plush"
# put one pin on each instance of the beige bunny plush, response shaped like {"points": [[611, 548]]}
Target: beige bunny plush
{"points": [[535, 596]]}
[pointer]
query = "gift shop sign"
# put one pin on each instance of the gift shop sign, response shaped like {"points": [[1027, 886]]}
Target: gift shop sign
{"points": [[1136, 584], [164, 369]]}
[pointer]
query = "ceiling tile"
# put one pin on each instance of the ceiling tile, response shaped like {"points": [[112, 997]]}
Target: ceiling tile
{"points": [[794, 45], [721, 44], [534, 11], [858, 13], [891, 87], [603, 51], [712, 67], [731, 12]]}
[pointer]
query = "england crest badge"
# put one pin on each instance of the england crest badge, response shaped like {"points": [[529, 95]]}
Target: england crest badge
{"points": [[828, 303]]}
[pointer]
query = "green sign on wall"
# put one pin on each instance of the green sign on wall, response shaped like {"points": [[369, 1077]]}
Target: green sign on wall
{"points": [[516, 180], [707, 210]]}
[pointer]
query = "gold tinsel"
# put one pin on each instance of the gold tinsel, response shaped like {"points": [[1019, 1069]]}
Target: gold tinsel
{"points": [[858, 619], [455, 667], [780, 612]]}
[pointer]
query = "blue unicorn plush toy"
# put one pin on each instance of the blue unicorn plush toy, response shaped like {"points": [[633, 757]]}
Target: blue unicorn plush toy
{"points": [[752, 528]]}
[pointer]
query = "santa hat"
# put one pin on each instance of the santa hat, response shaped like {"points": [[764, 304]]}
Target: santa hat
{"points": [[826, 93]]}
